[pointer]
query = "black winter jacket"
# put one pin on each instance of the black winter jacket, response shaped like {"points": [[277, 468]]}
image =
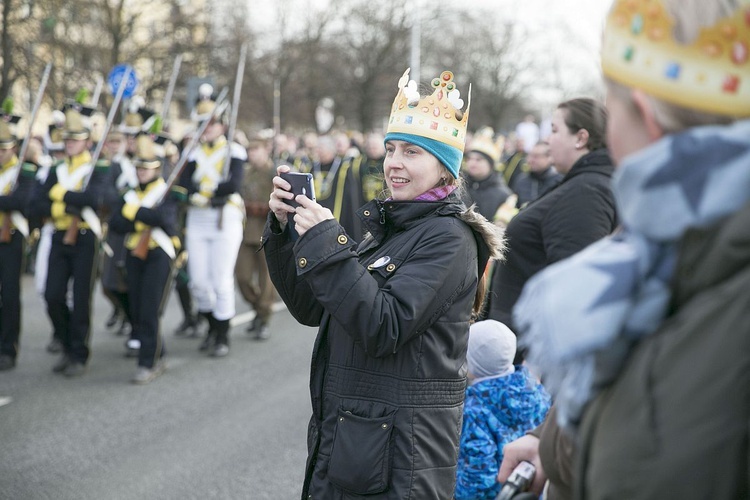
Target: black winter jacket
{"points": [[571, 216], [388, 376], [488, 193]]}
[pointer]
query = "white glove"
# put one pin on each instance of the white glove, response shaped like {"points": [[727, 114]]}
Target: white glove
{"points": [[199, 200]]}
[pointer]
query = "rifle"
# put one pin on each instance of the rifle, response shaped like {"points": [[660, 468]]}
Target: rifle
{"points": [[170, 90], [71, 235], [141, 249], [233, 120], [16, 217], [97, 91]]}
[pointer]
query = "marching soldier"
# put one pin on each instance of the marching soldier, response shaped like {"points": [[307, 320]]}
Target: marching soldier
{"points": [[15, 187], [148, 258], [212, 179], [251, 269], [123, 176], [73, 188]]}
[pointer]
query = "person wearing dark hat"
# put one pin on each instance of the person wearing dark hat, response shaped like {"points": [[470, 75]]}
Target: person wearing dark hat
{"points": [[214, 221], [15, 187], [484, 184], [145, 221], [63, 198]]}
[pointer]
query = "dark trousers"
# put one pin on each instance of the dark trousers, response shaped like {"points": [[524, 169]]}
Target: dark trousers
{"points": [[11, 260], [148, 281], [76, 262]]}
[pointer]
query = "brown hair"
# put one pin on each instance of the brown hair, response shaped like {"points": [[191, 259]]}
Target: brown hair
{"points": [[587, 114]]}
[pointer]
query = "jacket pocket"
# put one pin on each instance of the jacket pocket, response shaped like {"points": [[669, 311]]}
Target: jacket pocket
{"points": [[361, 453]]}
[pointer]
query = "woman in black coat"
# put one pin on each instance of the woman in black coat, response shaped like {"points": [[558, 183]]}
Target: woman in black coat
{"points": [[579, 211], [388, 371]]}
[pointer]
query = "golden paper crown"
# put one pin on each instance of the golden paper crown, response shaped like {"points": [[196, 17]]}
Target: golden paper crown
{"points": [[483, 142], [711, 75], [437, 116]]}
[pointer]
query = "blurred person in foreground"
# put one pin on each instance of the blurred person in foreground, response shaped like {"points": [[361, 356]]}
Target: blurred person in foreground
{"points": [[651, 325], [577, 212], [388, 372]]}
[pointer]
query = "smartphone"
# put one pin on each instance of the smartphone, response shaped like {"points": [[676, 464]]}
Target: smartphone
{"points": [[301, 184]]}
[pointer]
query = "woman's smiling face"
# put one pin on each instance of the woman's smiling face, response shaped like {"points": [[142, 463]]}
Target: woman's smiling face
{"points": [[410, 170]]}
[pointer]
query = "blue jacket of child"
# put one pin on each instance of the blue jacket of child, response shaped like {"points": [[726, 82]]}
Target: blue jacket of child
{"points": [[496, 412]]}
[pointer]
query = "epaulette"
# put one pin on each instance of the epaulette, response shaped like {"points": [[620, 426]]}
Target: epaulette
{"points": [[179, 193], [28, 169]]}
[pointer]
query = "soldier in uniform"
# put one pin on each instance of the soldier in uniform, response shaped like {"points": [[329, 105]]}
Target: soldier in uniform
{"points": [[214, 222], [54, 146], [251, 269], [65, 198], [15, 187], [150, 230], [123, 175]]}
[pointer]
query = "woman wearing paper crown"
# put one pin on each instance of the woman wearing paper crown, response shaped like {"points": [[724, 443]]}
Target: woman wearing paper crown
{"points": [[16, 181], [485, 185], [150, 229], [214, 225], [388, 373], [70, 203], [644, 337]]}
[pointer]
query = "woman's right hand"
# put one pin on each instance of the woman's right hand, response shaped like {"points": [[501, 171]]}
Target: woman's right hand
{"points": [[281, 192]]}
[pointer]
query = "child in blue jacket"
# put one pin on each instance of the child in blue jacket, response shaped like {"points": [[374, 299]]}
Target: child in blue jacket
{"points": [[503, 401]]}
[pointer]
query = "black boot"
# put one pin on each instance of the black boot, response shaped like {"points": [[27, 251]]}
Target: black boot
{"points": [[221, 348], [211, 335], [190, 322]]}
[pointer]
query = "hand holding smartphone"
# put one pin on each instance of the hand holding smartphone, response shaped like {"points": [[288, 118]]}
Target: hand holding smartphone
{"points": [[302, 183]]}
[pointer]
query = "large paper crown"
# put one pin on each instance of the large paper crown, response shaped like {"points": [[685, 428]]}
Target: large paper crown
{"points": [[712, 74], [437, 116], [483, 142]]}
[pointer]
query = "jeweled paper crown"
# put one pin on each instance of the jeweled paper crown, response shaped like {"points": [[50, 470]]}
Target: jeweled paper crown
{"points": [[437, 116], [712, 74]]}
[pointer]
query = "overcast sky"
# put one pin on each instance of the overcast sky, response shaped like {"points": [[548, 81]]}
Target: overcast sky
{"points": [[585, 18]]}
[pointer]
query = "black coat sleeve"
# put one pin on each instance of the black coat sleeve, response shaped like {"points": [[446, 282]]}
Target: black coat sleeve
{"points": [[18, 200]]}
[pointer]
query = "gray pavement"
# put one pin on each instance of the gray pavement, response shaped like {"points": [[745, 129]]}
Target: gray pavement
{"points": [[231, 428]]}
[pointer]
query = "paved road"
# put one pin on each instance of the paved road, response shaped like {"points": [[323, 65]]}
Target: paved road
{"points": [[231, 428]]}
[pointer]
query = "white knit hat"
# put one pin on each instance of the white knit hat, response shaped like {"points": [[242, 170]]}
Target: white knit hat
{"points": [[492, 347]]}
